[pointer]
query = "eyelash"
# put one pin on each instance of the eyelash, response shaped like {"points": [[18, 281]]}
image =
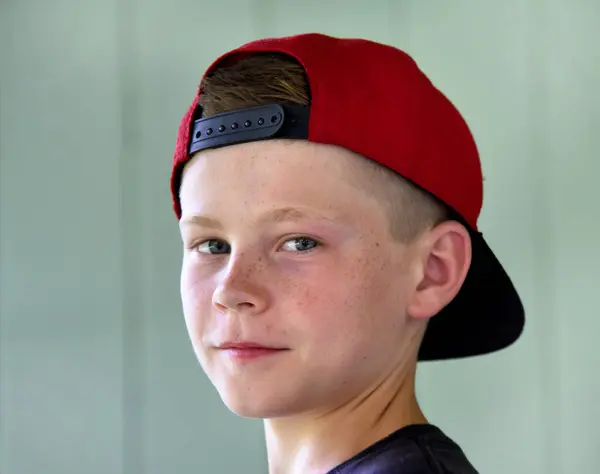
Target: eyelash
{"points": [[301, 252]]}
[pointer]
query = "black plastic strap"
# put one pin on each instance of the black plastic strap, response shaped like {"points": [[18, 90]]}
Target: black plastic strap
{"points": [[245, 125]]}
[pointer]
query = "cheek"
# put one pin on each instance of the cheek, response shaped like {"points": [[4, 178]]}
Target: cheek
{"points": [[345, 306], [366, 324], [196, 297]]}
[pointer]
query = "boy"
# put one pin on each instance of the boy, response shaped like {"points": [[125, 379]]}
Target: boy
{"points": [[343, 148]]}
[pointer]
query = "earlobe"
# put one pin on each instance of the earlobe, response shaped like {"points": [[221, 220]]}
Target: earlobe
{"points": [[445, 260]]}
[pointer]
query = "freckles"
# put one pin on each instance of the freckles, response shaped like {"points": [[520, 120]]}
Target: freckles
{"points": [[366, 282], [254, 268], [287, 286], [360, 274], [307, 299]]}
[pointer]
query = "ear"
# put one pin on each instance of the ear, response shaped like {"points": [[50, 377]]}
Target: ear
{"points": [[444, 259]]}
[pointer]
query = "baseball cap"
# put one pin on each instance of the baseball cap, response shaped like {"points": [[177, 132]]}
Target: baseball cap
{"points": [[374, 100]]}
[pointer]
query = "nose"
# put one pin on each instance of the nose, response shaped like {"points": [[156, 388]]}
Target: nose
{"points": [[243, 288]]}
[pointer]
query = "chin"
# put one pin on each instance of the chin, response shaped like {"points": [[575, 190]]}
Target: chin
{"points": [[251, 408], [262, 404], [246, 411]]}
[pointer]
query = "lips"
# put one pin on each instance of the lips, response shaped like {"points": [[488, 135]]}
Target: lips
{"points": [[244, 350], [246, 345]]}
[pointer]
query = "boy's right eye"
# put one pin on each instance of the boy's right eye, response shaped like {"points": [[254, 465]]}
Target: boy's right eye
{"points": [[213, 247]]}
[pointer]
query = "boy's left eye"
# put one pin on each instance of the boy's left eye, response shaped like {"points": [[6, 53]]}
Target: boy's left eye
{"points": [[300, 244]]}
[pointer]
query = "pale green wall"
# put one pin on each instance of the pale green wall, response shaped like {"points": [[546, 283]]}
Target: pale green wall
{"points": [[96, 372]]}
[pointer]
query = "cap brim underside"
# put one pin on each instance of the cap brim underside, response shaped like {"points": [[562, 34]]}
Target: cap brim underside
{"points": [[487, 315]]}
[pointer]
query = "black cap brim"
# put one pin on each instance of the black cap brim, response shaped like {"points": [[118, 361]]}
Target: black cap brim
{"points": [[487, 314]]}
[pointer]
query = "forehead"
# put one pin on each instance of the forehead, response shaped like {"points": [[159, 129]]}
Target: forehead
{"points": [[277, 171]]}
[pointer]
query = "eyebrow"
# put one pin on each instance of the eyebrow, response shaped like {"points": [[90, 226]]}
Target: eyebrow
{"points": [[285, 214]]}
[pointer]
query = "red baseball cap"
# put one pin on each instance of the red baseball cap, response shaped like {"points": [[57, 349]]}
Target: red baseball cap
{"points": [[374, 100]]}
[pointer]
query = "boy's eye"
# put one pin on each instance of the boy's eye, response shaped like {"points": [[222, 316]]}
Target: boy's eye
{"points": [[213, 247], [300, 244]]}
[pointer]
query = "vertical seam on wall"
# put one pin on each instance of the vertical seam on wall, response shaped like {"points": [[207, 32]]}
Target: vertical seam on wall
{"points": [[2, 407], [545, 243], [130, 238], [262, 18]]}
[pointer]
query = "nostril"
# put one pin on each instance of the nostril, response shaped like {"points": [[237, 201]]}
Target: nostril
{"points": [[246, 304]]}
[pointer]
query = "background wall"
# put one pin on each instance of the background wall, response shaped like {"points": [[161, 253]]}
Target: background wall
{"points": [[96, 371]]}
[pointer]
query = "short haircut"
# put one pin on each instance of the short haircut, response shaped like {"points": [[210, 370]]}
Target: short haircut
{"points": [[264, 78]]}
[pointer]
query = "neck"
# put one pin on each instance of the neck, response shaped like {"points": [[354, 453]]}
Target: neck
{"points": [[315, 444]]}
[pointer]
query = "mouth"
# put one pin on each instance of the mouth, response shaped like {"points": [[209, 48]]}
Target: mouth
{"points": [[244, 350], [245, 345]]}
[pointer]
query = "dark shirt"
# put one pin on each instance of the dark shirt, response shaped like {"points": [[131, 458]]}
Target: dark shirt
{"points": [[415, 449]]}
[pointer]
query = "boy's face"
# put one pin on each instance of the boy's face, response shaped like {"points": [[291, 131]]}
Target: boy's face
{"points": [[324, 281]]}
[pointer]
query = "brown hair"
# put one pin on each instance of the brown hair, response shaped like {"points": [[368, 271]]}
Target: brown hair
{"points": [[265, 78]]}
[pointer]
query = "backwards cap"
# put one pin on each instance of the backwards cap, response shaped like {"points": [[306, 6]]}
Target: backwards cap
{"points": [[373, 99]]}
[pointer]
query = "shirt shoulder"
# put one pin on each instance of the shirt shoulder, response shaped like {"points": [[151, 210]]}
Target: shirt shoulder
{"points": [[415, 449]]}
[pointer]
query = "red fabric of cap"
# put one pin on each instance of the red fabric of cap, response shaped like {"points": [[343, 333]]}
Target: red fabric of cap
{"points": [[374, 100]]}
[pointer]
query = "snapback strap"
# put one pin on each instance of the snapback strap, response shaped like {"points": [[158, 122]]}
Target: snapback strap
{"points": [[251, 124]]}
